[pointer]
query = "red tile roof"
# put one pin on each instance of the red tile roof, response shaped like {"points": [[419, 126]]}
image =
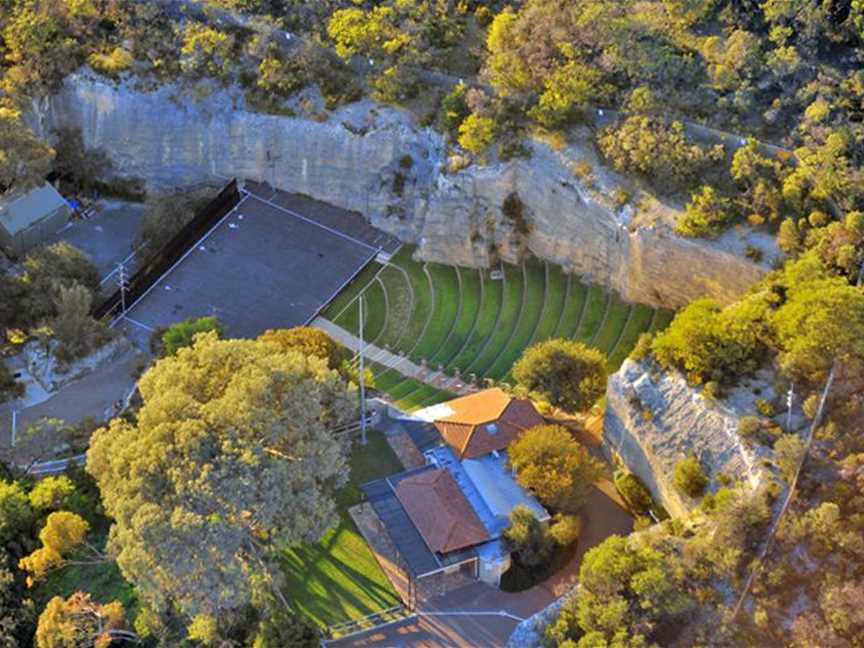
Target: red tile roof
{"points": [[440, 511], [486, 421]]}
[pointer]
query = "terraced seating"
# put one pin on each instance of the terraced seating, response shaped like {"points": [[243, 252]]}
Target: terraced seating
{"points": [[463, 322]]}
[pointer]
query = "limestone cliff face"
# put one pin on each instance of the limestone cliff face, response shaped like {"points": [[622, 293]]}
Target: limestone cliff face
{"points": [[374, 160], [654, 419]]}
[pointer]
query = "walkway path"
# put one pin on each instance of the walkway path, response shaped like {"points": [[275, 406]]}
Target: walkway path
{"points": [[391, 360]]}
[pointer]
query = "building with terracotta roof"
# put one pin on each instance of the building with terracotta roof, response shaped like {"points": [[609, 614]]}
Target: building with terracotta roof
{"points": [[447, 518]]}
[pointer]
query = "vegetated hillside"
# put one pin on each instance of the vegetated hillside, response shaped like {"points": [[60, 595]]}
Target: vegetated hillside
{"points": [[787, 73]]}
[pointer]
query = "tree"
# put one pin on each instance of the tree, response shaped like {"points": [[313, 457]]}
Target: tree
{"points": [[625, 593], [206, 51], [77, 332], [789, 452], [555, 467], [15, 513], [477, 133], [166, 214], [25, 160], [689, 477], [706, 215], [821, 321], [454, 110], [63, 538], [527, 536], [634, 492], [307, 340], [709, 343], [565, 373], [79, 622], [17, 612], [506, 69], [279, 628], [231, 458], [567, 91], [51, 493], [182, 334], [46, 269], [371, 33]]}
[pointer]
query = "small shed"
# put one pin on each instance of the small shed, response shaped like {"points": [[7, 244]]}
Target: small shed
{"points": [[28, 219]]}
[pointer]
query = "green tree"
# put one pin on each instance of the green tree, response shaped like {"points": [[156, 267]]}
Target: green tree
{"points": [[371, 33], [689, 477], [625, 593], [206, 51], [77, 332], [15, 513], [559, 470], [279, 628], [46, 270], [504, 65], [527, 536], [79, 622], [25, 160], [64, 542], [789, 451], [308, 340], [477, 133], [821, 321], [708, 344], [182, 334], [51, 493], [231, 458], [562, 372], [454, 110], [17, 613], [707, 215], [567, 91], [9, 387]]}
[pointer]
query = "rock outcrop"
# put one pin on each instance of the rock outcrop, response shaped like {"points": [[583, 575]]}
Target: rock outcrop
{"points": [[655, 419], [376, 161]]}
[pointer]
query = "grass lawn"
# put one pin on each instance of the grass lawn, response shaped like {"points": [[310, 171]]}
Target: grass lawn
{"points": [[640, 320], [573, 307], [532, 309], [422, 304], [446, 286], [663, 318], [347, 296], [490, 304], [616, 319], [467, 317], [556, 291], [510, 308], [338, 578], [400, 305], [595, 309]]}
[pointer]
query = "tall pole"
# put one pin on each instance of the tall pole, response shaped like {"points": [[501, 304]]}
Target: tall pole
{"points": [[362, 378], [121, 281], [789, 399]]}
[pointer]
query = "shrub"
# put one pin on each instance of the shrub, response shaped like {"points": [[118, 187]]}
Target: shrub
{"points": [[707, 215], [454, 110], [52, 493], [708, 343], [712, 390], [764, 407], [555, 467], [182, 334], [527, 537], [634, 492], [690, 477], [789, 452], [565, 530], [565, 373], [642, 349], [477, 133], [77, 332], [749, 426]]}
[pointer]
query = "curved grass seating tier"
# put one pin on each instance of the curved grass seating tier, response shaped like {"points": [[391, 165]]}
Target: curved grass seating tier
{"points": [[471, 287], [531, 310], [463, 321], [511, 305]]}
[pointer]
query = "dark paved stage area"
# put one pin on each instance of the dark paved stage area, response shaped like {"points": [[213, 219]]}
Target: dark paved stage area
{"points": [[273, 262]]}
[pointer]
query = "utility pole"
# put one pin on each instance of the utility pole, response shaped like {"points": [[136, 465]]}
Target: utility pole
{"points": [[122, 283], [362, 377], [789, 398]]}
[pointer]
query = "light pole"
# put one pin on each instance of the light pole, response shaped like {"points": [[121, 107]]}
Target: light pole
{"points": [[789, 398], [121, 282], [362, 377]]}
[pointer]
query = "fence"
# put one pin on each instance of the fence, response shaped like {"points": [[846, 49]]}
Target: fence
{"points": [[154, 268], [375, 620]]}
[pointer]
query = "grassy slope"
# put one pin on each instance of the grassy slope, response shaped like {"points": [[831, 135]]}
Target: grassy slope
{"points": [[491, 305], [446, 303], [467, 317], [513, 287], [338, 578]]}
